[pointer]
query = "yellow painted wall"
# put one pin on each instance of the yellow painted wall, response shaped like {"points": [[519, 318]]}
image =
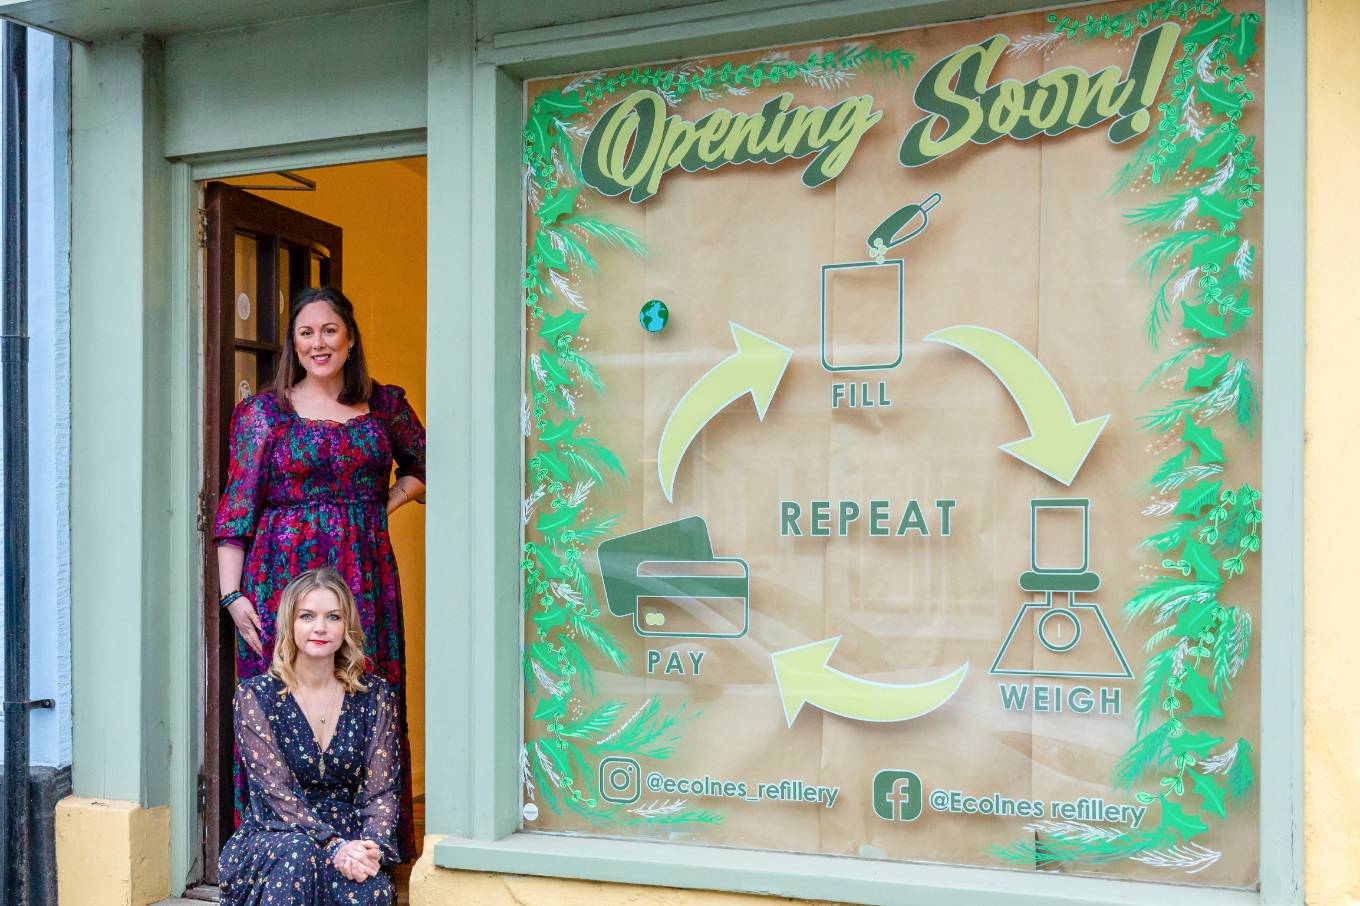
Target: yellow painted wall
{"points": [[1331, 483], [381, 208], [111, 853]]}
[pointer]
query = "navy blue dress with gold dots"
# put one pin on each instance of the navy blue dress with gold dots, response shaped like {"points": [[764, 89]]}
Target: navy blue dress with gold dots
{"points": [[305, 803]]}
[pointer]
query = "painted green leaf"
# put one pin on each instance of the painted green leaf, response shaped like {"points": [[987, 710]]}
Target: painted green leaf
{"points": [[547, 619], [1212, 250], [556, 206], [551, 254], [1243, 44], [1225, 210], [536, 134], [1208, 789], [543, 654], [553, 366], [1201, 560], [560, 105], [1211, 151], [1202, 377], [552, 519], [1200, 744], [555, 466], [1198, 319], [550, 709], [1219, 97], [1203, 701], [1206, 29], [1208, 447], [1197, 497], [1195, 617], [567, 322], [557, 433], [1174, 819]]}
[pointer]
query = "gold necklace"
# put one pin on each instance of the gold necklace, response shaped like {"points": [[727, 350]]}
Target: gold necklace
{"points": [[321, 761]]}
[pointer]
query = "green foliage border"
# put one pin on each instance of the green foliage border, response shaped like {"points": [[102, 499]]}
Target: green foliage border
{"points": [[573, 732], [1197, 262]]}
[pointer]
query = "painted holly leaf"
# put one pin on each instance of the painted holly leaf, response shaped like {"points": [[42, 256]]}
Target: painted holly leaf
{"points": [[1201, 560], [551, 519], [561, 106], [564, 323], [1199, 744], [548, 460], [1212, 250], [1197, 497], [552, 616], [1225, 210], [550, 709], [1243, 43], [1203, 701], [1185, 826], [1218, 143], [561, 431], [1219, 97], [1195, 617], [551, 254], [1209, 792], [1204, 376], [1208, 447], [553, 366], [1207, 29], [556, 206], [1198, 319]]}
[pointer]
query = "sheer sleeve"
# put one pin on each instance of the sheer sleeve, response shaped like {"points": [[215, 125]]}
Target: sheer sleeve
{"points": [[380, 794], [406, 433], [247, 474], [274, 791]]}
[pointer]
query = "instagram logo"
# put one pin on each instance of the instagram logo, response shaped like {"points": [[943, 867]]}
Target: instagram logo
{"points": [[620, 779]]}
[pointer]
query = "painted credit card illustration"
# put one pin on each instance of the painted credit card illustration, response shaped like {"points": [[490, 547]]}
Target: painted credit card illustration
{"points": [[667, 580]]}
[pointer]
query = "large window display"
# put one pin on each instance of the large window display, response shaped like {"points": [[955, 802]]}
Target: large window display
{"points": [[892, 447]]}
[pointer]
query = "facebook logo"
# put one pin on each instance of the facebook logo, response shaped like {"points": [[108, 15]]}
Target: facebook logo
{"points": [[897, 795]]}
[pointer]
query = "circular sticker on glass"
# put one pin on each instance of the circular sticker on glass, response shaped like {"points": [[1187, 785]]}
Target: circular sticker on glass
{"points": [[243, 307], [654, 316], [243, 391], [530, 811]]}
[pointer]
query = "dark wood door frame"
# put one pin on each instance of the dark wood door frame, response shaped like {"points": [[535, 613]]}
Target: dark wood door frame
{"points": [[231, 211]]}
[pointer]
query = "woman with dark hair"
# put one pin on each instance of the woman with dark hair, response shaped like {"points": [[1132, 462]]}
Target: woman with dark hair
{"points": [[308, 485]]}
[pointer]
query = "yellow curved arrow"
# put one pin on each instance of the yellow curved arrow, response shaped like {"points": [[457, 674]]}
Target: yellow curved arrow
{"points": [[1058, 444], [755, 368], [803, 677]]}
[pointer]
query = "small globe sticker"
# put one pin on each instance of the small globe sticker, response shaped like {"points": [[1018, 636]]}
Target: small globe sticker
{"points": [[654, 316], [530, 811]]}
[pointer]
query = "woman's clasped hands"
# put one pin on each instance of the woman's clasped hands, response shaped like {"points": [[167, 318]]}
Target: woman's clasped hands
{"points": [[358, 860]]}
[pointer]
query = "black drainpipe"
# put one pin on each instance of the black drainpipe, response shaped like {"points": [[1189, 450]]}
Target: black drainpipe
{"points": [[14, 435]]}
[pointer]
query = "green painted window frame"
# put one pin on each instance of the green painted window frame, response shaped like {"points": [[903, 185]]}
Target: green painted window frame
{"points": [[475, 697]]}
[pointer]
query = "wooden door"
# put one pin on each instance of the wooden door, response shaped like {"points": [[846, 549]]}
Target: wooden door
{"points": [[259, 254]]}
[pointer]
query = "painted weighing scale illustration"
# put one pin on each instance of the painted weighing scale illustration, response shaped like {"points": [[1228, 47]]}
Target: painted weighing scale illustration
{"points": [[1062, 624], [668, 581], [883, 282]]}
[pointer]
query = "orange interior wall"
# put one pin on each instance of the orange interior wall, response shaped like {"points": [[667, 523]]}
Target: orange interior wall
{"points": [[381, 208]]}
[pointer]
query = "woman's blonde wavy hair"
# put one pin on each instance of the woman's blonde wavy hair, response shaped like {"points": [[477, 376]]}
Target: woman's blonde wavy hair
{"points": [[350, 661]]}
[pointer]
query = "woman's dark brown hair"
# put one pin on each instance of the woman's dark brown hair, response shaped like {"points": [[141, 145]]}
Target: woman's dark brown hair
{"points": [[358, 386]]}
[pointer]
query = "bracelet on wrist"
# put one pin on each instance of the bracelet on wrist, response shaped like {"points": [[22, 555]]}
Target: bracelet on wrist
{"points": [[230, 597]]}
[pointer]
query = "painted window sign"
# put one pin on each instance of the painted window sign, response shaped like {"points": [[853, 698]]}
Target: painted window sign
{"points": [[927, 528]]}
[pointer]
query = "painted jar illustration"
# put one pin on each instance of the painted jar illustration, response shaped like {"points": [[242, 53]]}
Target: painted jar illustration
{"points": [[863, 301]]}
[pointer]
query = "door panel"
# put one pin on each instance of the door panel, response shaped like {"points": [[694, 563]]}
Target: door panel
{"points": [[259, 254]]}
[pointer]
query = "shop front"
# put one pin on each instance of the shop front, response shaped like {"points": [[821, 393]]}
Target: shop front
{"points": [[865, 439]]}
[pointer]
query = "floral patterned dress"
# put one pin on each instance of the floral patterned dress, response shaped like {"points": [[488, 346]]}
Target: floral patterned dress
{"points": [[305, 803], [303, 493]]}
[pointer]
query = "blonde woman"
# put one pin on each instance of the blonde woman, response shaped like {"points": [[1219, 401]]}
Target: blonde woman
{"points": [[321, 748]]}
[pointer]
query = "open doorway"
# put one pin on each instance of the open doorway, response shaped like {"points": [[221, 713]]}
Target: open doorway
{"points": [[361, 228]]}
